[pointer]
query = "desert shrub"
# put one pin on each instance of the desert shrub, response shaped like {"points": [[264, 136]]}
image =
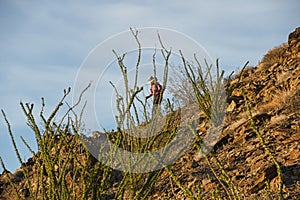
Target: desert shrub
{"points": [[274, 55], [60, 173], [63, 174]]}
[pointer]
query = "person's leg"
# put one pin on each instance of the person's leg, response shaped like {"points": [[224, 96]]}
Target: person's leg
{"points": [[156, 106], [157, 120]]}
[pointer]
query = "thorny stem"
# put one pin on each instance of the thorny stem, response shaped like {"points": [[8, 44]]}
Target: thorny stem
{"points": [[263, 144]]}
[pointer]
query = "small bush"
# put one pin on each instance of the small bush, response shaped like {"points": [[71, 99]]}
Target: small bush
{"points": [[274, 55]]}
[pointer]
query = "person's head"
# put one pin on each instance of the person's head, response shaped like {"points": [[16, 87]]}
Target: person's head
{"points": [[151, 79]]}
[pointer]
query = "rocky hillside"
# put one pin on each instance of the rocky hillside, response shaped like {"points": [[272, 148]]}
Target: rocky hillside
{"points": [[243, 164], [273, 92]]}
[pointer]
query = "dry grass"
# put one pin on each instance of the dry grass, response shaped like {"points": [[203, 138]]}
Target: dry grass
{"points": [[285, 96], [274, 55]]}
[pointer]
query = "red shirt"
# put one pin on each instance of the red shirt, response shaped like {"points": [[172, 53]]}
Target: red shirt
{"points": [[155, 89]]}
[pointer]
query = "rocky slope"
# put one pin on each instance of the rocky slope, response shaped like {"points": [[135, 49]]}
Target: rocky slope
{"points": [[273, 92], [242, 163]]}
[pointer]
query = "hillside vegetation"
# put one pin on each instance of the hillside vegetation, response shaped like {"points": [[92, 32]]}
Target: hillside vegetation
{"points": [[257, 155]]}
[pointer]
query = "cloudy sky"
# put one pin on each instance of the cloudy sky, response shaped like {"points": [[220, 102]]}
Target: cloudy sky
{"points": [[43, 43]]}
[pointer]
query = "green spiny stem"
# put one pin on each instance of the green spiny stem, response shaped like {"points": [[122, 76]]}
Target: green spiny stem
{"points": [[54, 112], [199, 196], [9, 179], [32, 124], [263, 144], [146, 189], [16, 148], [27, 145], [234, 190], [198, 146], [12, 137], [135, 34], [188, 193]]}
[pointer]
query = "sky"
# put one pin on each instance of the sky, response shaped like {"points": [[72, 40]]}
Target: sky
{"points": [[44, 43]]}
